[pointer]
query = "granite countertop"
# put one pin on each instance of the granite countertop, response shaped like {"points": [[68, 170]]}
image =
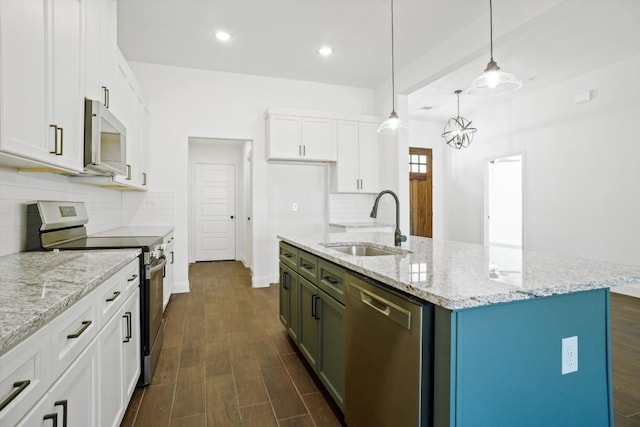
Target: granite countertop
{"points": [[37, 286], [458, 275], [365, 224], [139, 231]]}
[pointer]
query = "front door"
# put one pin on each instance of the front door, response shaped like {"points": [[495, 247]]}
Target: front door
{"points": [[214, 201], [420, 192]]}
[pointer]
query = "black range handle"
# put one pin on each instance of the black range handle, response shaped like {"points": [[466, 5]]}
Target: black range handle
{"points": [[19, 387]]}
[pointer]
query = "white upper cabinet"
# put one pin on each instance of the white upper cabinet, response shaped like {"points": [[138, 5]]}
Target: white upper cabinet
{"points": [[100, 43], [319, 139], [127, 104], [41, 83], [292, 137], [357, 169]]}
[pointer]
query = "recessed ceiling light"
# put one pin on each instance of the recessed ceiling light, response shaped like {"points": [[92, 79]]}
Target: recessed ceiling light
{"points": [[223, 36], [325, 51]]}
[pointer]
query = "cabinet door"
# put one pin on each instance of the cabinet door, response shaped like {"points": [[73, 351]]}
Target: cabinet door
{"points": [[108, 43], [319, 139], [308, 336], [23, 73], [100, 41], [294, 307], [346, 177], [369, 157], [284, 137], [111, 407], [285, 307], [130, 316], [72, 400], [41, 81], [67, 92], [331, 357]]}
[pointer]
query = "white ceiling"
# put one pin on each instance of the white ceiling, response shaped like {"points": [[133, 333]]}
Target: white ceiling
{"points": [[280, 38]]}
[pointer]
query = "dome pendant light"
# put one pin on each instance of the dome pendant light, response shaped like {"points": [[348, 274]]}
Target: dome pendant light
{"points": [[494, 81], [458, 132], [393, 124]]}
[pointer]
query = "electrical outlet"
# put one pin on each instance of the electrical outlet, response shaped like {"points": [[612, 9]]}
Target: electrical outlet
{"points": [[294, 206], [569, 355]]}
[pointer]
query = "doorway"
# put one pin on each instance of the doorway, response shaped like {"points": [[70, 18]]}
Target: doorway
{"points": [[219, 188], [421, 191], [504, 202]]}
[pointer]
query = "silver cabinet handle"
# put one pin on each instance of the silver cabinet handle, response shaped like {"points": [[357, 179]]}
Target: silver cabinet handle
{"points": [[129, 172], [144, 178]]}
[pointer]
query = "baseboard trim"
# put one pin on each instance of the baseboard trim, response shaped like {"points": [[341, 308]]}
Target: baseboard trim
{"points": [[181, 288], [260, 282]]}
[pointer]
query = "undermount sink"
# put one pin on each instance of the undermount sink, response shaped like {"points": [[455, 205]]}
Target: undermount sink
{"points": [[360, 249]]}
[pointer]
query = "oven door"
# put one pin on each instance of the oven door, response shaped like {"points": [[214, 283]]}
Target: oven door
{"points": [[155, 291]]}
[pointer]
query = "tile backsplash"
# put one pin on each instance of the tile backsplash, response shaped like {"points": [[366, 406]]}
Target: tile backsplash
{"points": [[107, 208], [148, 208], [348, 208], [17, 188]]}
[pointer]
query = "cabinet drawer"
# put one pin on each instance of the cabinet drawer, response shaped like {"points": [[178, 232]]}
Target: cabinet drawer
{"points": [[131, 277], [289, 255], [25, 376], [331, 279], [308, 266], [73, 330]]}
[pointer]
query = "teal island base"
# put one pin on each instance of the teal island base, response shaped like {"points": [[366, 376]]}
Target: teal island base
{"points": [[501, 365]]}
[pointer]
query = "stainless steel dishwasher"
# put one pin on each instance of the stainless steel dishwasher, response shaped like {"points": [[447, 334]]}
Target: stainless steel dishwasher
{"points": [[389, 365]]}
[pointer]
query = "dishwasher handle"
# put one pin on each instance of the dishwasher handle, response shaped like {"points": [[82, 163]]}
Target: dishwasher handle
{"points": [[388, 309]]}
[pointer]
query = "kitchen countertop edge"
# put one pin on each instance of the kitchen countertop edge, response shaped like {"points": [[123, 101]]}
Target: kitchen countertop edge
{"points": [[461, 303], [41, 319]]}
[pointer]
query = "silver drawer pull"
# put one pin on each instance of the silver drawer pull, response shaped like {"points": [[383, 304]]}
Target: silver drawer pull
{"points": [[19, 388], [116, 294], [132, 278], [85, 325]]}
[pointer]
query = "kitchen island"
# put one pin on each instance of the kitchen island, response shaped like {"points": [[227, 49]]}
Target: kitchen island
{"points": [[500, 317]]}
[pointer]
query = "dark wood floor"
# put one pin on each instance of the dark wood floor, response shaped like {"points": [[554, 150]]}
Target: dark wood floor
{"points": [[226, 361], [625, 344]]}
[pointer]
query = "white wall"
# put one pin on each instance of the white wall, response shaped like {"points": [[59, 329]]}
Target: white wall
{"points": [[17, 188], [187, 103], [581, 174]]}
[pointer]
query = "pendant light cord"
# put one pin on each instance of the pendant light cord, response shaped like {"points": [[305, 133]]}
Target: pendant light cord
{"points": [[393, 77], [491, 27]]}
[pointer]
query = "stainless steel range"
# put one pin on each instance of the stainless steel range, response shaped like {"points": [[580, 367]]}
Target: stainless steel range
{"points": [[62, 225]]}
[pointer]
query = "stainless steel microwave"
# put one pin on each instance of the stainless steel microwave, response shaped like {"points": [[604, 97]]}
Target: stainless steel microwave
{"points": [[105, 141]]}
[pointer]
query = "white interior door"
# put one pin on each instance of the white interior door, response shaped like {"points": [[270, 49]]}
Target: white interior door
{"points": [[214, 201]]}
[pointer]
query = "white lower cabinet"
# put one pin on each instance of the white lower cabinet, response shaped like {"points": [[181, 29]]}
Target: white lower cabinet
{"points": [[111, 377], [80, 369], [71, 401], [119, 361], [131, 345]]}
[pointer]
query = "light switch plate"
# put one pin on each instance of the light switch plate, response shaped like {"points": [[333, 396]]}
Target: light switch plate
{"points": [[569, 355]]}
